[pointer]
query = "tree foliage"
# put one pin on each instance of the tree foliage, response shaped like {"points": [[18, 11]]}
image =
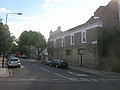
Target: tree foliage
{"points": [[107, 39], [31, 38], [14, 48], [37, 40], [23, 42], [5, 40]]}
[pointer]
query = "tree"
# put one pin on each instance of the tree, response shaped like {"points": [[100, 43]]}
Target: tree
{"points": [[5, 40], [107, 39], [31, 38], [38, 41], [23, 42], [14, 48]]}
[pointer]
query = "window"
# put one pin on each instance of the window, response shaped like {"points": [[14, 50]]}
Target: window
{"points": [[83, 36], [72, 39], [68, 52], [63, 42]]}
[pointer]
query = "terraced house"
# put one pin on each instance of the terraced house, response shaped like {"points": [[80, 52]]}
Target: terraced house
{"points": [[83, 40]]}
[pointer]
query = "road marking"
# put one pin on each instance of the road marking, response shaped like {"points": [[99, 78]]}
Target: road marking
{"points": [[73, 79], [10, 72], [22, 66], [82, 75], [77, 74], [44, 69], [70, 72], [84, 79], [35, 65], [32, 79], [41, 68], [58, 80]]}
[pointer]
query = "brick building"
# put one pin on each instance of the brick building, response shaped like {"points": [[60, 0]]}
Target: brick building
{"points": [[68, 45]]}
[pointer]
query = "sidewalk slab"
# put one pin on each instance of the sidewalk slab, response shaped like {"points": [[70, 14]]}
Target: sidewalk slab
{"points": [[4, 72], [96, 72]]}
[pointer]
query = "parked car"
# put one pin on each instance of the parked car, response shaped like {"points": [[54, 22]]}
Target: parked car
{"points": [[8, 57], [46, 61], [24, 56], [13, 62], [58, 63]]}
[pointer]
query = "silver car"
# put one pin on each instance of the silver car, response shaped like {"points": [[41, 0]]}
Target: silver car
{"points": [[14, 62]]}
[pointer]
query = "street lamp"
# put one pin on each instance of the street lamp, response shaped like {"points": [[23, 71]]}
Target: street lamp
{"points": [[11, 13], [81, 53]]}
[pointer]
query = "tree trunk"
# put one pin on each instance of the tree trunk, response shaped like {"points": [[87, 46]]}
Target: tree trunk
{"points": [[29, 51], [3, 60], [38, 54]]}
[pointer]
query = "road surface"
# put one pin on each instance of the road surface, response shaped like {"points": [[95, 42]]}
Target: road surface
{"points": [[36, 76]]}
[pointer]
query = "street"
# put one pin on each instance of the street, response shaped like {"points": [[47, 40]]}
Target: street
{"points": [[35, 76]]}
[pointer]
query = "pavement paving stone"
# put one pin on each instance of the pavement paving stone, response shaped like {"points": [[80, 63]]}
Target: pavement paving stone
{"points": [[4, 72], [97, 72]]}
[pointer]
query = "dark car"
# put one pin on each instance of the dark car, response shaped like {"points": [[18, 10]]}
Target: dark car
{"points": [[46, 61], [58, 63], [24, 56]]}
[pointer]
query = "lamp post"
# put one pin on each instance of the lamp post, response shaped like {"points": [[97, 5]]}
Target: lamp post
{"points": [[11, 13], [81, 53]]}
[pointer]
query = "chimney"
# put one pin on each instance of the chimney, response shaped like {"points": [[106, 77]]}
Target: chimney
{"points": [[51, 32], [59, 28]]}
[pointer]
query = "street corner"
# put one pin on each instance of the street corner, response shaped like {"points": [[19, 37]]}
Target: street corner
{"points": [[5, 72]]}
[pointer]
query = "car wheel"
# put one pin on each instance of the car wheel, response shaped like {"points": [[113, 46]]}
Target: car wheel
{"points": [[8, 67], [50, 65], [18, 66]]}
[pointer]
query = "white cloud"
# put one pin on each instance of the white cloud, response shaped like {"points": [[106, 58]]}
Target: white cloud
{"points": [[54, 1], [67, 17], [49, 3], [4, 10], [49, 20], [24, 18], [34, 25]]}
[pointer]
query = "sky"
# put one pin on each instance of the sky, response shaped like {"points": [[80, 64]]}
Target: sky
{"points": [[45, 15]]}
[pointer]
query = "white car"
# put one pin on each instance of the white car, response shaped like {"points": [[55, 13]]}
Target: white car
{"points": [[14, 62]]}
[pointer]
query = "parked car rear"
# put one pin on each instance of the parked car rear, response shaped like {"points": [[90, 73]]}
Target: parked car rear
{"points": [[58, 63], [13, 62], [24, 56], [46, 61]]}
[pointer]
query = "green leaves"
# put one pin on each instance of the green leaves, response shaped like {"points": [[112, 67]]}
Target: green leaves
{"points": [[5, 38], [31, 38], [109, 39]]}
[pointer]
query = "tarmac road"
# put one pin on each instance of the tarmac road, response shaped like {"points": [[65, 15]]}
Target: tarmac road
{"points": [[35, 76]]}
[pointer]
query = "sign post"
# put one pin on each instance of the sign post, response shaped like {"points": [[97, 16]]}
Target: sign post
{"points": [[81, 53]]}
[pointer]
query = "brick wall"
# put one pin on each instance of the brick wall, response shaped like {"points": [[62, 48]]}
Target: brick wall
{"points": [[109, 15]]}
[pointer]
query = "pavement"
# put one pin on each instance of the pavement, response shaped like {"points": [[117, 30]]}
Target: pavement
{"points": [[96, 72], [4, 72]]}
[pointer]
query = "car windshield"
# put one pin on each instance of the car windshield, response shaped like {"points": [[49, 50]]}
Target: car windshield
{"points": [[61, 60], [14, 60]]}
